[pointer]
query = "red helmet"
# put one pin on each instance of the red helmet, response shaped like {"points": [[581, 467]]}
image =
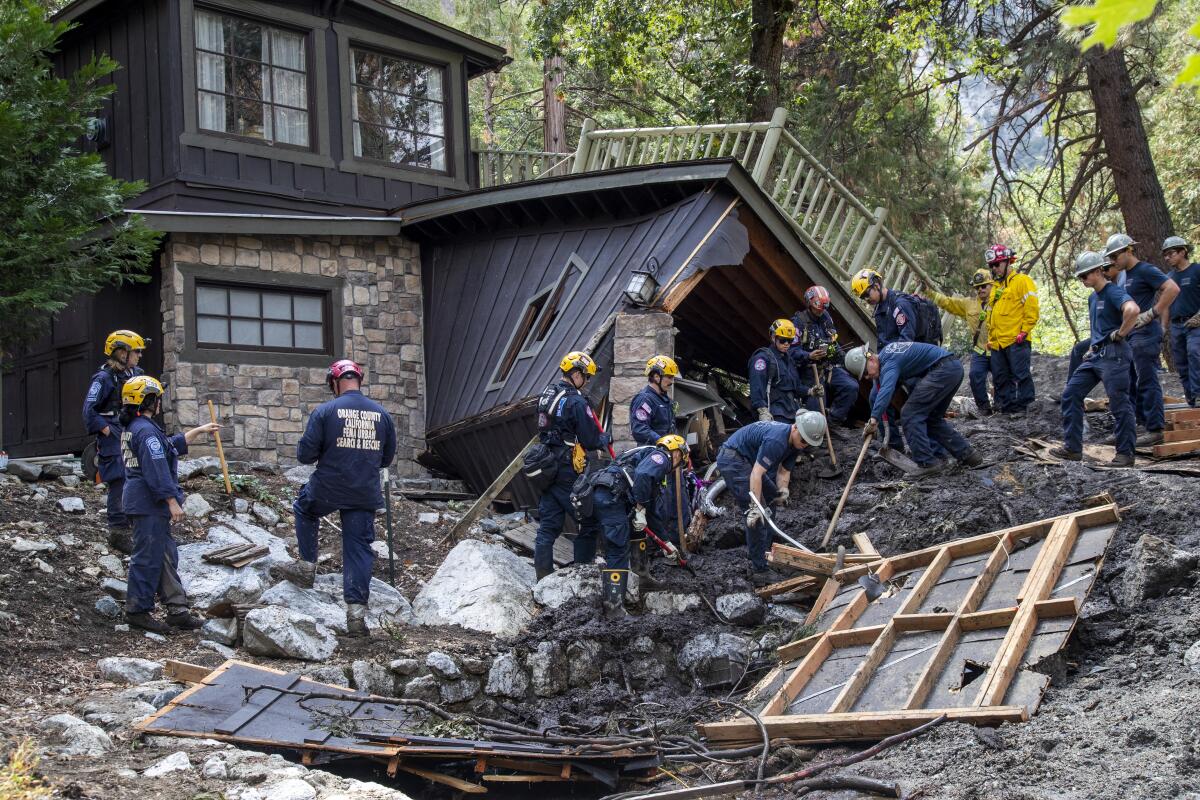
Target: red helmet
{"points": [[817, 296], [997, 253], [341, 369]]}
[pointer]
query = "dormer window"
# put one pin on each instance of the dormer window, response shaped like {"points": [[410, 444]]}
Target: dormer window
{"points": [[251, 79], [398, 110]]}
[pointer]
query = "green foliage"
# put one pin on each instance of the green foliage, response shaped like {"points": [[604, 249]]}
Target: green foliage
{"points": [[1106, 18], [245, 485], [56, 202]]}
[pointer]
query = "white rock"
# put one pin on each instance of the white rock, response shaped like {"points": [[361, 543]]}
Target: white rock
{"points": [[155, 637], [577, 582], [428, 517], [108, 607], [217, 647], [67, 540], [69, 481], [443, 666], [112, 711], [379, 548], [290, 789], [32, 546], [129, 670], [741, 608], [214, 769], [76, 737], [112, 565], [265, 514], [373, 678], [176, 762], [670, 602], [507, 678], [312, 602], [43, 566], [206, 465], [1191, 658], [71, 505], [222, 630], [386, 607], [300, 474], [194, 505], [482, 587], [282, 633]]}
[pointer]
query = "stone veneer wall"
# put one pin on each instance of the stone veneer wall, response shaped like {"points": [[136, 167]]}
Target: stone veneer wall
{"points": [[637, 337], [264, 407]]}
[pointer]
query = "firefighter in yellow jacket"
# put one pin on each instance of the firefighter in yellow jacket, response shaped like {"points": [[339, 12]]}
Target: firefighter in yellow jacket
{"points": [[1014, 312], [974, 310]]}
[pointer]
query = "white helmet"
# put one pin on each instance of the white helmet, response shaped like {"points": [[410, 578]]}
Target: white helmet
{"points": [[1089, 260], [856, 361], [811, 426], [1173, 242], [1118, 242]]}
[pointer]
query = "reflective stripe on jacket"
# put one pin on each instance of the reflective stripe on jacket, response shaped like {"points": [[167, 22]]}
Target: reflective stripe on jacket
{"points": [[971, 310]]}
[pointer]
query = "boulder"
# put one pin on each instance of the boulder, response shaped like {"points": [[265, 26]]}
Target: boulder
{"points": [[373, 678], [206, 465], [107, 607], [209, 585], [423, 687], [405, 666], [71, 505], [474, 666], [1155, 565], [24, 470], [334, 676], [129, 670], [583, 663], [69, 481], [111, 564], [156, 693], [218, 648], [459, 691], [300, 475], [443, 666], [58, 469], [507, 678], [387, 606], [110, 711], [176, 762], [114, 588], [224, 631], [214, 769], [548, 669], [1191, 658], [482, 587], [194, 505], [311, 602], [670, 602], [742, 608], [289, 789], [265, 514], [237, 530], [715, 659], [576, 582], [21, 545], [75, 737], [281, 633]]}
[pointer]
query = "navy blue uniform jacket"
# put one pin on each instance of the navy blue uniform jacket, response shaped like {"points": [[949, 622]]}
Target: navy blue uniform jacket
{"points": [[766, 444], [811, 333], [895, 320], [1104, 310], [651, 416], [350, 438], [570, 420], [151, 463], [899, 362], [101, 405], [775, 382]]}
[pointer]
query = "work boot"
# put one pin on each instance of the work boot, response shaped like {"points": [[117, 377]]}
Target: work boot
{"points": [[972, 459], [1065, 454], [184, 620], [356, 620], [639, 563], [1109, 441], [924, 472], [144, 620], [301, 573], [120, 538], [1121, 460], [1149, 439], [763, 577], [542, 572], [613, 598]]}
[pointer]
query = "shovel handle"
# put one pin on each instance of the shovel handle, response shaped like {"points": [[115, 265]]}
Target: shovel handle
{"points": [[212, 415], [837, 514], [828, 434]]}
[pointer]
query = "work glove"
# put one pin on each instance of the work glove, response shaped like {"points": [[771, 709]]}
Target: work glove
{"points": [[781, 497], [871, 428], [754, 517], [1021, 337], [1193, 322], [817, 391], [1144, 319], [639, 519], [764, 415]]}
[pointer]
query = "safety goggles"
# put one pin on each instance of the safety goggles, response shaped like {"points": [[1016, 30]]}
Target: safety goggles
{"points": [[781, 340]]}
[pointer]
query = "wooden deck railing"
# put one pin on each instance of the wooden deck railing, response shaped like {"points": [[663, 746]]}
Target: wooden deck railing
{"points": [[502, 167]]}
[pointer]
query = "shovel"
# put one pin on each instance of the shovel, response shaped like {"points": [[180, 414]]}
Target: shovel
{"points": [[212, 414], [832, 470], [767, 518], [837, 514], [893, 456]]}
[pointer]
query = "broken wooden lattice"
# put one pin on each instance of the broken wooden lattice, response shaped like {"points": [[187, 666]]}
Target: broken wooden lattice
{"points": [[957, 630]]}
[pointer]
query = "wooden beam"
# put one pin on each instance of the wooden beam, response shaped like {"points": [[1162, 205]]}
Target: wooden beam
{"points": [[1182, 435], [502, 480], [184, 672], [1177, 448], [863, 543], [852, 726], [983, 620], [861, 676], [1058, 607], [799, 678], [828, 592], [928, 580], [800, 583], [922, 622], [855, 636], [797, 559], [798, 648], [1183, 415], [445, 780]]}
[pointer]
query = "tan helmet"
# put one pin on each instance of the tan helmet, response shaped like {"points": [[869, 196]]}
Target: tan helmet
{"points": [[856, 360]]}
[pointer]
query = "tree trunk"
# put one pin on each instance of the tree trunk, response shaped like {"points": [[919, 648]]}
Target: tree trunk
{"points": [[770, 21], [1143, 205], [554, 128]]}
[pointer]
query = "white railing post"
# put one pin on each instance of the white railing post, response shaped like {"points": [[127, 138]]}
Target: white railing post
{"points": [[766, 153], [585, 144], [867, 244]]}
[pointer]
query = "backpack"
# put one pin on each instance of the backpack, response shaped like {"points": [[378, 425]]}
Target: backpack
{"points": [[540, 464], [584, 488], [929, 319]]}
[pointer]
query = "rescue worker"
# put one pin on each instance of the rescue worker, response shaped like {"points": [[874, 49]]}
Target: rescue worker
{"points": [[152, 500], [895, 321], [1112, 314], [350, 438], [1142, 281], [1185, 316], [568, 425], [816, 346], [776, 389], [624, 504], [101, 408], [750, 462], [651, 417], [938, 374], [974, 310], [1013, 315]]}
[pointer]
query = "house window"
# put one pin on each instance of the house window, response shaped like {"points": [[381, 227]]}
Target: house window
{"points": [[247, 318], [538, 317], [398, 110], [251, 79]]}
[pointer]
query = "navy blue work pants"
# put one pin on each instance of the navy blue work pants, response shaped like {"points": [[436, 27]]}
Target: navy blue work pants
{"points": [[554, 507], [114, 503], [981, 367], [358, 531], [1012, 376], [611, 515], [924, 413], [666, 508], [1146, 344], [1185, 348], [1077, 353], [735, 469], [154, 567], [1110, 367]]}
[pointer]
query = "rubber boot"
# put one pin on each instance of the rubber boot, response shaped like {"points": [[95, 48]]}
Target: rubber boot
{"points": [[301, 573], [121, 539], [144, 620], [639, 562], [356, 620], [613, 599]]}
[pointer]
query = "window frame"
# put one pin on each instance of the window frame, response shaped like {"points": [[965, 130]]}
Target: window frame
{"points": [[524, 341], [329, 289], [291, 292], [444, 103]]}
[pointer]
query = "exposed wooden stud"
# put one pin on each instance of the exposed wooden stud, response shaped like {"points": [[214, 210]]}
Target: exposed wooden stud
{"points": [[863, 543], [798, 648], [799, 678], [185, 672], [797, 559], [855, 725], [828, 592], [865, 669]]}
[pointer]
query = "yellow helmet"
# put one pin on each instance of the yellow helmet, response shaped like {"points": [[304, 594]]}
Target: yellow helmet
{"points": [[982, 277], [783, 329], [138, 388], [578, 360], [127, 339], [664, 365], [863, 280], [671, 442]]}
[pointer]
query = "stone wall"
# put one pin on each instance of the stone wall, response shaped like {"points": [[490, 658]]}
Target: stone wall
{"points": [[638, 336], [264, 407]]}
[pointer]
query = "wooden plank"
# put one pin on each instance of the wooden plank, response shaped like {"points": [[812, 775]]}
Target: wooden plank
{"points": [[795, 558], [983, 620], [801, 583], [828, 592], [928, 580], [481, 505], [1183, 415], [1058, 607], [793, 650], [863, 543], [1176, 448], [851, 726], [799, 678], [922, 622], [445, 780], [861, 676], [184, 672], [855, 636], [1184, 435], [523, 536]]}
